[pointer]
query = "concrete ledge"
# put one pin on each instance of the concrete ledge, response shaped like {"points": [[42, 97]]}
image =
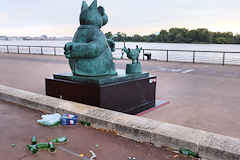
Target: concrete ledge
{"points": [[209, 145]]}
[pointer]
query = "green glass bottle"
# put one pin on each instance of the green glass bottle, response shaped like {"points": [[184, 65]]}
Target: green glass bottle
{"points": [[51, 147], [188, 152], [88, 124], [85, 123], [32, 148], [42, 145], [34, 140], [59, 140], [82, 123]]}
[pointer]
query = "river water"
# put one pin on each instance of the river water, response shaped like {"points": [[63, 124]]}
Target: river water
{"points": [[200, 57]]}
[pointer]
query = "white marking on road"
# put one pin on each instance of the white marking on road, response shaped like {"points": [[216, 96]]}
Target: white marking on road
{"points": [[184, 71], [187, 71], [68, 151], [176, 70]]}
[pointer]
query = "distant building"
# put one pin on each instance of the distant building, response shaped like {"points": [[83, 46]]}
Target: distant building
{"points": [[43, 37], [4, 38], [52, 38], [40, 38], [36, 38], [14, 38], [66, 38], [27, 38]]}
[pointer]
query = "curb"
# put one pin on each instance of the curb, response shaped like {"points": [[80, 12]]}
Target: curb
{"points": [[209, 145]]}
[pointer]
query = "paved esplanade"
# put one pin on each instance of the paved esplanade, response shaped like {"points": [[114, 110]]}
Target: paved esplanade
{"points": [[201, 96], [18, 125]]}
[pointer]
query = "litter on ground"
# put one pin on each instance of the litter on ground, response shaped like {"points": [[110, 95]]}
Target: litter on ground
{"points": [[50, 119]]}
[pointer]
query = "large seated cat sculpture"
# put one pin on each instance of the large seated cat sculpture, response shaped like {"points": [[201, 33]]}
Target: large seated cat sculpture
{"points": [[90, 53]]}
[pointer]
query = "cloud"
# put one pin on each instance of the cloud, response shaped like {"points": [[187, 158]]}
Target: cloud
{"points": [[142, 17], [4, 18], [37, 30]]}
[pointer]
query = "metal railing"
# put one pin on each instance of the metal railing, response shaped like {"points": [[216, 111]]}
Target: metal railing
{"points": [[192, 56], [195, 56], [25, 49]]}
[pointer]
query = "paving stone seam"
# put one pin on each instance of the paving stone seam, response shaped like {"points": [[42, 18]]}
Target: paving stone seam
{"points": [[209, 145]]}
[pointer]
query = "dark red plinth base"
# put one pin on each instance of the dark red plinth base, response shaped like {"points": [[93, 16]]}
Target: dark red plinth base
{"points": [[132, 97]]}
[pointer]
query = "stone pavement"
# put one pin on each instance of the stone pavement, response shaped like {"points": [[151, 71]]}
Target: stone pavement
{"points": [[18, 125], [201, 96]]}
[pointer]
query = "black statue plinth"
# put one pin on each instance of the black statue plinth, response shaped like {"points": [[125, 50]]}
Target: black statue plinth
{"points": [[124, 93]]}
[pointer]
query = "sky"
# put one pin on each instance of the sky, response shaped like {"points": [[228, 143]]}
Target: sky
{"points": [[61, 18]]}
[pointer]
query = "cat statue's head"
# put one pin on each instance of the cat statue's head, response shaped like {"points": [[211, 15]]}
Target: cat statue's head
{"points": [[93, 15]]}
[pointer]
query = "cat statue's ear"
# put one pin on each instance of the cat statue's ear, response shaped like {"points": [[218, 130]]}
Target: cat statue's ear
{"points": [[105, 19], [104, 16], [93, 5], [84, 6], [101, 10]]}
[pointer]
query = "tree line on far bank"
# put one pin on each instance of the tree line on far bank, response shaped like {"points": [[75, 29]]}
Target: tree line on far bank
{"points": [[180, 35]]}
